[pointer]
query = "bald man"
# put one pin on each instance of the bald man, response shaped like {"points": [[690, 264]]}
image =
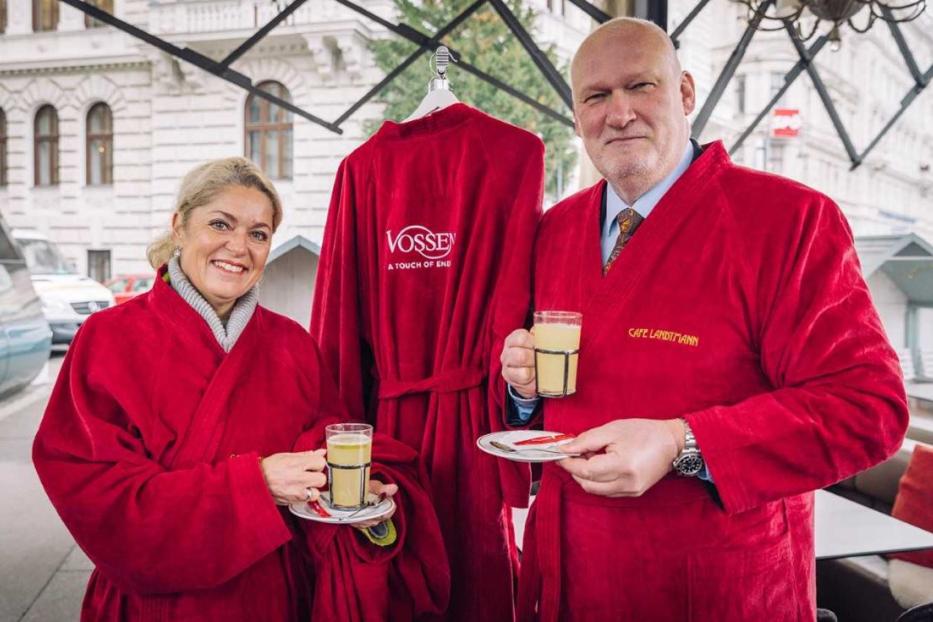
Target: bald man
{"points": [[731, 362]]}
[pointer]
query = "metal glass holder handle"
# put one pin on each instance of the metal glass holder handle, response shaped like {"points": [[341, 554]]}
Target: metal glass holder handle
{"points": [[363, 482], [566, 354]]}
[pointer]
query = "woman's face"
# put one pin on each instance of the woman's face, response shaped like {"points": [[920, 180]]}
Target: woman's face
{"points": [[224, 245]]}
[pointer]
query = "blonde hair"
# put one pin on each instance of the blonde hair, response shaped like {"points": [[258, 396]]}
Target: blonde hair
{"points": [[202, 184]]}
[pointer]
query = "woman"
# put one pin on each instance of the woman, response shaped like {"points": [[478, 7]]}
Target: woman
{"points": [[166, 443]]}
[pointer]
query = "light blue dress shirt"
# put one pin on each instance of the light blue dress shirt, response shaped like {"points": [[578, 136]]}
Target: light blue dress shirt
{"points": [[608, 236]]}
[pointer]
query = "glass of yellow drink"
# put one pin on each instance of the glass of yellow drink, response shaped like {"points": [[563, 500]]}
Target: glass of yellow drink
{"points": [[557, 348], [349, 453]]}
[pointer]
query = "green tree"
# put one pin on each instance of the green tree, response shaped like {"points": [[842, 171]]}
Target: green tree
{"points": [[485, 42]]}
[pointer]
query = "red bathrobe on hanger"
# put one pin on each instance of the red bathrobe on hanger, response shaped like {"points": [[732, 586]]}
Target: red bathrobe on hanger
{"points": [[425, 268], [738, 305], [149, 450]]}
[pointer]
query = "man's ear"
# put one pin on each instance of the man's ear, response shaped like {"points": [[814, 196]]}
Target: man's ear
{"points": [[688, 93]]}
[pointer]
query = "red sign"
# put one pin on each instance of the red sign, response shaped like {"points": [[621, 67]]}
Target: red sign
{"points": [[785, 123]]}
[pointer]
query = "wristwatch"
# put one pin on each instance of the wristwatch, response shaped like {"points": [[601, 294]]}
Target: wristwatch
{"points": [[690, 461]]}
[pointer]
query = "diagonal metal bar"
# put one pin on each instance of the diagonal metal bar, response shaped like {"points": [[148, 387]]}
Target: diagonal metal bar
{"points": [[902, 45], [728, 71], [789, 78], [199, 60], [596, 13], [425, 44], [675, 36], [499, 84], [905, 103], [540, 59], [186, 54], [261, 33], [824, 94]]}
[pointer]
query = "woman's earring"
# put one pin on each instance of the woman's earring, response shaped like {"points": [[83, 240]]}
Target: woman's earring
{"points": [[176, 252]]}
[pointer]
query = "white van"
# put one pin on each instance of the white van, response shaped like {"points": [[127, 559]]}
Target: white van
{"points": [[68, 298]]}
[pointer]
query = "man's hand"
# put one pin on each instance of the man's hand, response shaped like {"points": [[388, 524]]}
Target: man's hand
{"points": [[518, 363], [638, 453]]}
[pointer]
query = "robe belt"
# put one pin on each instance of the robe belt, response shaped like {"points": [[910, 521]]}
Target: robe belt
{"points": [[448, 381], [541, 577]]}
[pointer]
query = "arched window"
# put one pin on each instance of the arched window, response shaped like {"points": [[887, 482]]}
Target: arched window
{"points": [[3, 163], [44, 15], [104, 5], [99, 145], [269, 132], [45, 146]]}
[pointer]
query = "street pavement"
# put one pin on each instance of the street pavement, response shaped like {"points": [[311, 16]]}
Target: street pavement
{"points": [[43, 573]]}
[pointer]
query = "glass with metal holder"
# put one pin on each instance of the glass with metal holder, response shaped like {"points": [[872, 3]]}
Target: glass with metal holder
{"points": [[349, 455], [557, 350]]}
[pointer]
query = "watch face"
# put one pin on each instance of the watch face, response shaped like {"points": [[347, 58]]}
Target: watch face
{"points": [[689, 463]]}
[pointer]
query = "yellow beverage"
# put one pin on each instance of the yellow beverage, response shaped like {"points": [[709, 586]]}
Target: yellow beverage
{"points": [[348, 458], [556, 354]]}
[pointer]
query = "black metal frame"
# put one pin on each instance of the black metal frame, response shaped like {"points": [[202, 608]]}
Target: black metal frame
{"points": [[656, 10], [425, 43], [806, 56]]}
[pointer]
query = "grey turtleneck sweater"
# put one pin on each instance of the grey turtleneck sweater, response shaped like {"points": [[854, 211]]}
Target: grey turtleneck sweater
{"points": [[242, 310]]}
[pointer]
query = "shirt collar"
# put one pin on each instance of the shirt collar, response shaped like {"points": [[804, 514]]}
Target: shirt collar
{"points": [[646, 202]]}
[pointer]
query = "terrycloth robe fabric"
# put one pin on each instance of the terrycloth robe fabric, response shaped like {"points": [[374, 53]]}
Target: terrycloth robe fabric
{"points": [[150, 448], [425, 268], [738, 305]]}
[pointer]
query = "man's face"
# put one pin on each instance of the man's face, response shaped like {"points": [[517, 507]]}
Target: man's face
{"points": [[630, 106]]}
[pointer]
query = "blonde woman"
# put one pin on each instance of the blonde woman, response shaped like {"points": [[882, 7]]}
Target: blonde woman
{"points": [[168, 446]]}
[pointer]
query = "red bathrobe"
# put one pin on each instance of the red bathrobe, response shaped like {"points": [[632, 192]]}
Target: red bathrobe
{"points": [[425, 269], [149, 450], [738, 305]]}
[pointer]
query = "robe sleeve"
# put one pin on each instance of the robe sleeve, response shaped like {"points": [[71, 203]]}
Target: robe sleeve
{"points": [[355, 580], [838, 404], [148, 529], [512, 305], [336, 322]]}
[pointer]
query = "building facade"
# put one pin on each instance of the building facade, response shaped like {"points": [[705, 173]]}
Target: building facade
{"points": [[97, 128]]}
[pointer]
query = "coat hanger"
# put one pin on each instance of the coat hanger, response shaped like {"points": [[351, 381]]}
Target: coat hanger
{"points": [[439, 94]]}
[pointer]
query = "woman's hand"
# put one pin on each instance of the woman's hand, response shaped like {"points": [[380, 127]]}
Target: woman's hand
{"points": [[380, 490], [295, 477]]}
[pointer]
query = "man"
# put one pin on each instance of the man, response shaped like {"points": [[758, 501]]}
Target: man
{"points": [[731, 363]]}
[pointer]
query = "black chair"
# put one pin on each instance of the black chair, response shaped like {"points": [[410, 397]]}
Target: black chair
{"points": [[920, 613], [825, 615]]}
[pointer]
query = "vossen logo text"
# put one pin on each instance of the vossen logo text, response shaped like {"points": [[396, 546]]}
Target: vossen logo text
{"points": [[421, 240]]}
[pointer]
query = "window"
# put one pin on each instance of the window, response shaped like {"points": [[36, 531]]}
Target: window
{"points": [[44, 15], [269, 132], [98, 265], [777, 83], [740, 94], [3, 162], [45, 146], [2, 16], [104, 5], [99, 145], [118, 286]]}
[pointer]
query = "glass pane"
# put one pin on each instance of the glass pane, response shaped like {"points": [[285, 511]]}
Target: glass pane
{"points": [[43, 123], [254, 145], [288, 155], [254, 108], [273, 113], [272, 154], [95, 121], [45, 164], [95, 166]]}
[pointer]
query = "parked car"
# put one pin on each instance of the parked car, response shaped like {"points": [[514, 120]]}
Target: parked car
{"points": [[68, 298], [126, 286], [25, 337]]}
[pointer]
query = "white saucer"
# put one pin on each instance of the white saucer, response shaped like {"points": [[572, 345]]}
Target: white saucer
{"points": [[536, 453], [378, 510]]}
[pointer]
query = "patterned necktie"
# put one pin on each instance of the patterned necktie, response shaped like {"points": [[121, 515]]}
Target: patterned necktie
{"points": [[628, 220]]}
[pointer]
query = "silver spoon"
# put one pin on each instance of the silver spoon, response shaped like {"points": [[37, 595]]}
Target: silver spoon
{"points": [[512, 450]]}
